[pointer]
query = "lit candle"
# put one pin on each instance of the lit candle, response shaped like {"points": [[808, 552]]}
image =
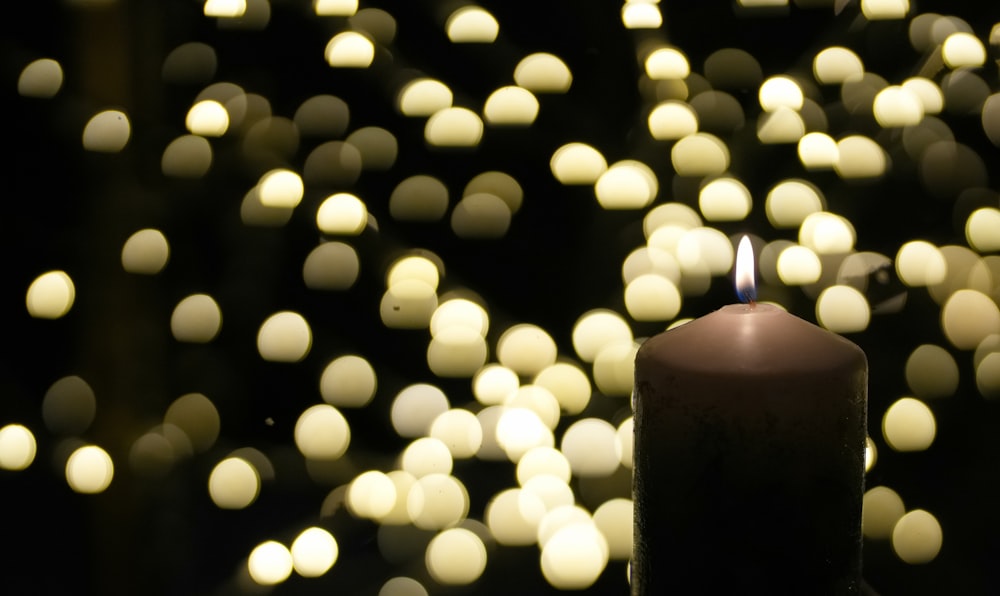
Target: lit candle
{"points": [[750, 427]]}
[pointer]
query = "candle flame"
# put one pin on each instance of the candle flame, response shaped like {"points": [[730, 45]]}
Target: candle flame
{"points": [[746, 285]]}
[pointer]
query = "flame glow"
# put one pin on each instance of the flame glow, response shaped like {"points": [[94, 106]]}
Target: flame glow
{"points": [[746, 285]]}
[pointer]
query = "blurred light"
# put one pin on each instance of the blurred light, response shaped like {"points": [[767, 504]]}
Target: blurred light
{"points": [[197, 417], [670, 214], [207, 118], [568, 383], [672, 119], [408, 304], [513, 516], [498, 184], [415, 408], [699, 154], [574, 557], [988, 375], [348, 381], [335, 8], [270, 563], [89, 470], [402, 482], [190, 63], [860, 157], [280, 188], [349, 49], [437, 501], [17, 447], [187, 156], [884, 9], [909, 425], [963, 50], [233, 483], [882, 507], [843, 309], [481, 215], [798, 266], [818, 151], [917, 537], [537, 399], [512, 106], [460, 312], [641, 15], [378, 147], [780, 125], [146, 252], [50, 295], [650, 260], [453, 127], [419, 198], [724, 199], [402, 586], [559, 517], [333, 164], [897, 106], [589, 446], [526, 349], [460, 431], [455, 556], [342, 213], [69, 406], [424, 96], [426, 455], [552, 490], [652, 297], [196, 319], [667, 63], [371, 495], [981, 229], [493, 383], [871, 454], [314, 551], [613, 519], [706, 248], [780, 92], [520, 429], [931, 372], [968, 317], [927, 92], [107, 132], [331, 266], [791, 201], [472, 24], [627, 184], [284, 337], [577, 163], [836, 64], [41, 78], [543, 460], [920, 263], [322, 433], [827, 233], [322, 116], [614, 368], [625, 442]]}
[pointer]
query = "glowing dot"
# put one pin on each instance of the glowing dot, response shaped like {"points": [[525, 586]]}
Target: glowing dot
{"points": [[472, 24], [931, 372], [543, 460], [625, 442], [437, 501], [780, 125], [705, 248], [233, 483], [513, 516], [456, 556], [818, 151], [652, 297], [423, 97], [871, 454], [415, 408], [542, 72], [626, 184], [843, 309], [187, 156], [988, 375], [917, 537], [897, 106], [574, 557], [577, 163], [314, 552], [589, 446], [280, 188], [419, 198], [408, 304], [207, 118], [426, 455], [981, 229], [89, 470], [51, 295], [322, 433], [453, 127], [520, 429], [197, 417], [962, 49], [613, 519], [835, 65], [41, 78], [371, 495], [335, 8], [667, 63], [724, 199], [927, 92], [674, 215], [331, 266], [481, 215], [511, 105], [349, 49], [881, 508], [614, 369], [284, 337], [568, 383], [909, 425], [402, 586], [537, 399], [860, 157], [650, 260], [884, 9], [145, 252], [402, 482], [968, 317], [780, 92], [462, 313], [596, 329], [827, 233], [641, 15], [789, 202], [799, 265], [920, 263], [270, 563], [348, 381], [699, 154], [342, 213], [460, 431], [107, 132], [526, 349], [671, 120], [552, 490], [17, 447], [196, 319]]}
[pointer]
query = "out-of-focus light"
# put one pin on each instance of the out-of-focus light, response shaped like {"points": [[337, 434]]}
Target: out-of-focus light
{"points": [[613, 519], [589, 446], [614, 368], [270, 563], [968, 317], [537, 399], [700, 154], [780, 92], [881, 508], [917, 537], [426, 455], [672, 119], [437, 501], [568, 383], [342, 213], [981, 229], [963, 50], [146, 252], [335, 8], [460, 431], [897, 106], [626, 184], [69, 406], [284, 337], [419, 198], [314, 552], [89, 470], [472, 24], [667, 63], [371, 495], [543, 72], [493, 383], [197, 417], [652, 297], [107, 132], [909, 425], [207, 118], [818, 151], [50, 295], [225, 8], [187, 156], [724, 199], [526, 349], [931, 372], [233, 483], [927, 91], [789, 202], [884, 9], [513, 516], [41, 78], [17, 447], [196, 319], [799, 265], [481, 215], [455, 556], [577, 163], [348, 381], [920, 263], [574, 557], [424, 96], [641, 15], [322, 432], [350, 49], [543, 460], [860, 157], [780, 125], [331, 266], [378, 147], [843, 309], [827, 233], [835, 65], [280, 188], [511, 106], [453, 127], [415, 407], [520, 429]]}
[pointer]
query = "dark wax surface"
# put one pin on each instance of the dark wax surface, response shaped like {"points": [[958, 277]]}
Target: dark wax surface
{"points": [[750, 427]]}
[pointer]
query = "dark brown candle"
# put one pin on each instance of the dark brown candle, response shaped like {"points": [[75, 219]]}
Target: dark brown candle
{"points": [[750, 427]]}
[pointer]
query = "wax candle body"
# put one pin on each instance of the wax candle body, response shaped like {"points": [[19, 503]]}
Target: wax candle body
{"points": [[748, 470]]}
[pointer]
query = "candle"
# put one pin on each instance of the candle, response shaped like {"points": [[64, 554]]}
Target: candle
{"points": [[750, 428]]}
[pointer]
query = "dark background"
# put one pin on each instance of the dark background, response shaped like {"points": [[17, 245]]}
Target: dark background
{"points": [[68, 209]]}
